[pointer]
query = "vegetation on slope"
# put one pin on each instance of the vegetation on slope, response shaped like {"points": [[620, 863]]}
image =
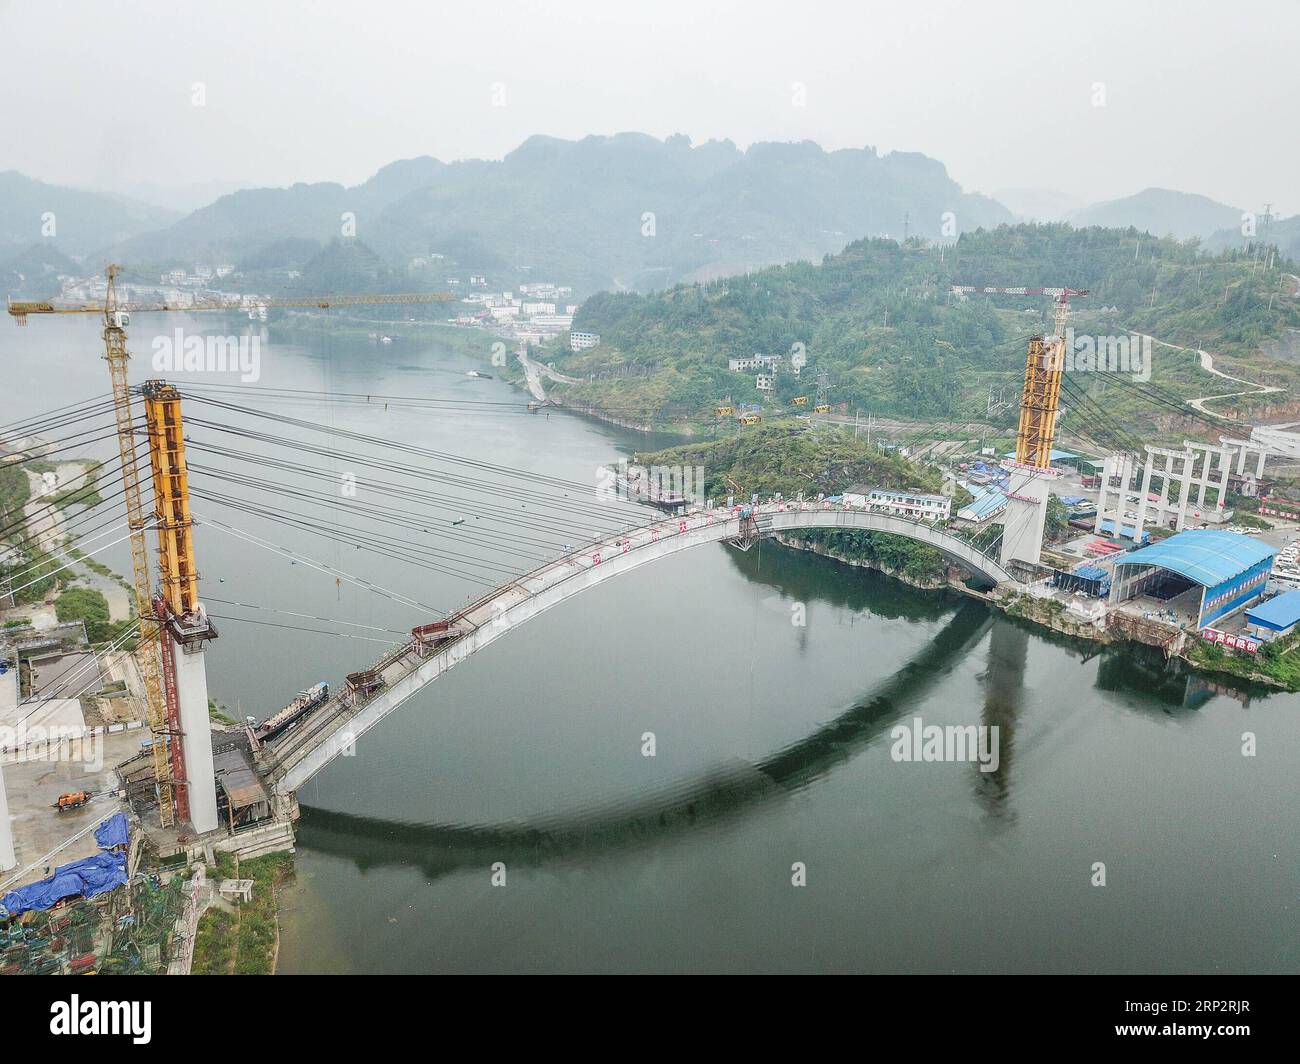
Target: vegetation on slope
{"points": [[242, 942], [880, 321], [794, 460]]}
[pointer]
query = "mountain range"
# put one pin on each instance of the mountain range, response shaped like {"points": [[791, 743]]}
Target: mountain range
{"points": [[621, 213]]}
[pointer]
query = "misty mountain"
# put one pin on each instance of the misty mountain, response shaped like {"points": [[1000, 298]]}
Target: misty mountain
{"points": [[1160, 212], [290, 223], [1284, 233], [34, 272], [622, 212], [69, 220], [1038, 204]]}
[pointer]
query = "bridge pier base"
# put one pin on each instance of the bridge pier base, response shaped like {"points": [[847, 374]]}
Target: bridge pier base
{"points": [[196, 728]]}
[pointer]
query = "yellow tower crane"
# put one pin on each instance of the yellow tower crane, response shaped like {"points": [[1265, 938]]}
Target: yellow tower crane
{"points": [[178, 573]]}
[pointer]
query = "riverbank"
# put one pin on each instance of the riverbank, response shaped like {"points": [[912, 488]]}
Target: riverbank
{"points": [[243, 938], [296, 328], [1050, 616]]}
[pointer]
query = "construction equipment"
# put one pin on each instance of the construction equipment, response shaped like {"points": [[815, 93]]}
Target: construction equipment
{"points": [[72, 800], [1044, 364], [19, 309], [179, 579], [1061, 295]]}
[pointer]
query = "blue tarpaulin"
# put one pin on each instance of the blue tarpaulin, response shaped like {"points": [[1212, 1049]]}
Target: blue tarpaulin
{"points": [[112, 832], [87, 878]]}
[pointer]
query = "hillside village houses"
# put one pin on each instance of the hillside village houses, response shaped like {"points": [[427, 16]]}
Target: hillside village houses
{"points": [[764, 381]]}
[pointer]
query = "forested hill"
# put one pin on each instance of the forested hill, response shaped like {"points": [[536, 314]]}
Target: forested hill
{"points": [[880, 320]]}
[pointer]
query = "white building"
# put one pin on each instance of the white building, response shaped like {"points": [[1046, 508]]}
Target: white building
{"points": [[764, 382], [755, 361], [580, 341], [531, 308], [911, 504]]}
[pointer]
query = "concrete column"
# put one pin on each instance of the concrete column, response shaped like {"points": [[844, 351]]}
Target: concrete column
{"points": [[7, 858], [1185, 491], [1142, 498], [192, 696], [1024, 518], [1164, 490], [1107, 470]]}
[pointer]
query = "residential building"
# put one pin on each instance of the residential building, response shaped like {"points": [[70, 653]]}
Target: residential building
{"points": [[913, 504]]}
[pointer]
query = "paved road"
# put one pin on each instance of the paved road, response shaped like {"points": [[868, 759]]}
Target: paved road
{"points": [[1207, 364], [535, 371]]}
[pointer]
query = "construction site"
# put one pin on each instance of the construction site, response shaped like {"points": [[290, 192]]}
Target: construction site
{"points": [[128, 734]]}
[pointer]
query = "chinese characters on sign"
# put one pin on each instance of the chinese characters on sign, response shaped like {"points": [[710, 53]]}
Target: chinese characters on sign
{"points": [[1236, 642]]}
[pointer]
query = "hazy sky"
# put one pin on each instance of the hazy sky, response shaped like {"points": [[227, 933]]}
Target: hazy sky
{"points": [[1200, 97]]}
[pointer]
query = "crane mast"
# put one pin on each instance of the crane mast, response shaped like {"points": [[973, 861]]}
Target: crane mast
{"points": [[149, 645]]}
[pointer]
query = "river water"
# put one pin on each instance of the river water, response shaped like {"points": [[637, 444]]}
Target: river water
{"points": [[772, 742]]}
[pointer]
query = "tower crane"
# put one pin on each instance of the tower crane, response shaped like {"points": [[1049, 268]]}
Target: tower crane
{"points": [[175, 610], [1043, 367]]}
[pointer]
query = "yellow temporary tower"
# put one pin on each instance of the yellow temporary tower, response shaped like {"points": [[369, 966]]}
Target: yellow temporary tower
{"points": [[162, 410], [1039, 402]]}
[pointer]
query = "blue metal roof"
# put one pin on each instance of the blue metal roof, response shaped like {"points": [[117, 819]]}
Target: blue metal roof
{"points": [[1209, 556], [1281, 611], [990, 502]]}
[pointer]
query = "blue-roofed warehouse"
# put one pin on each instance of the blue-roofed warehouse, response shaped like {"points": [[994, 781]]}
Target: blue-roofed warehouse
{"points": [[1276, 617], [1202, 574]]}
